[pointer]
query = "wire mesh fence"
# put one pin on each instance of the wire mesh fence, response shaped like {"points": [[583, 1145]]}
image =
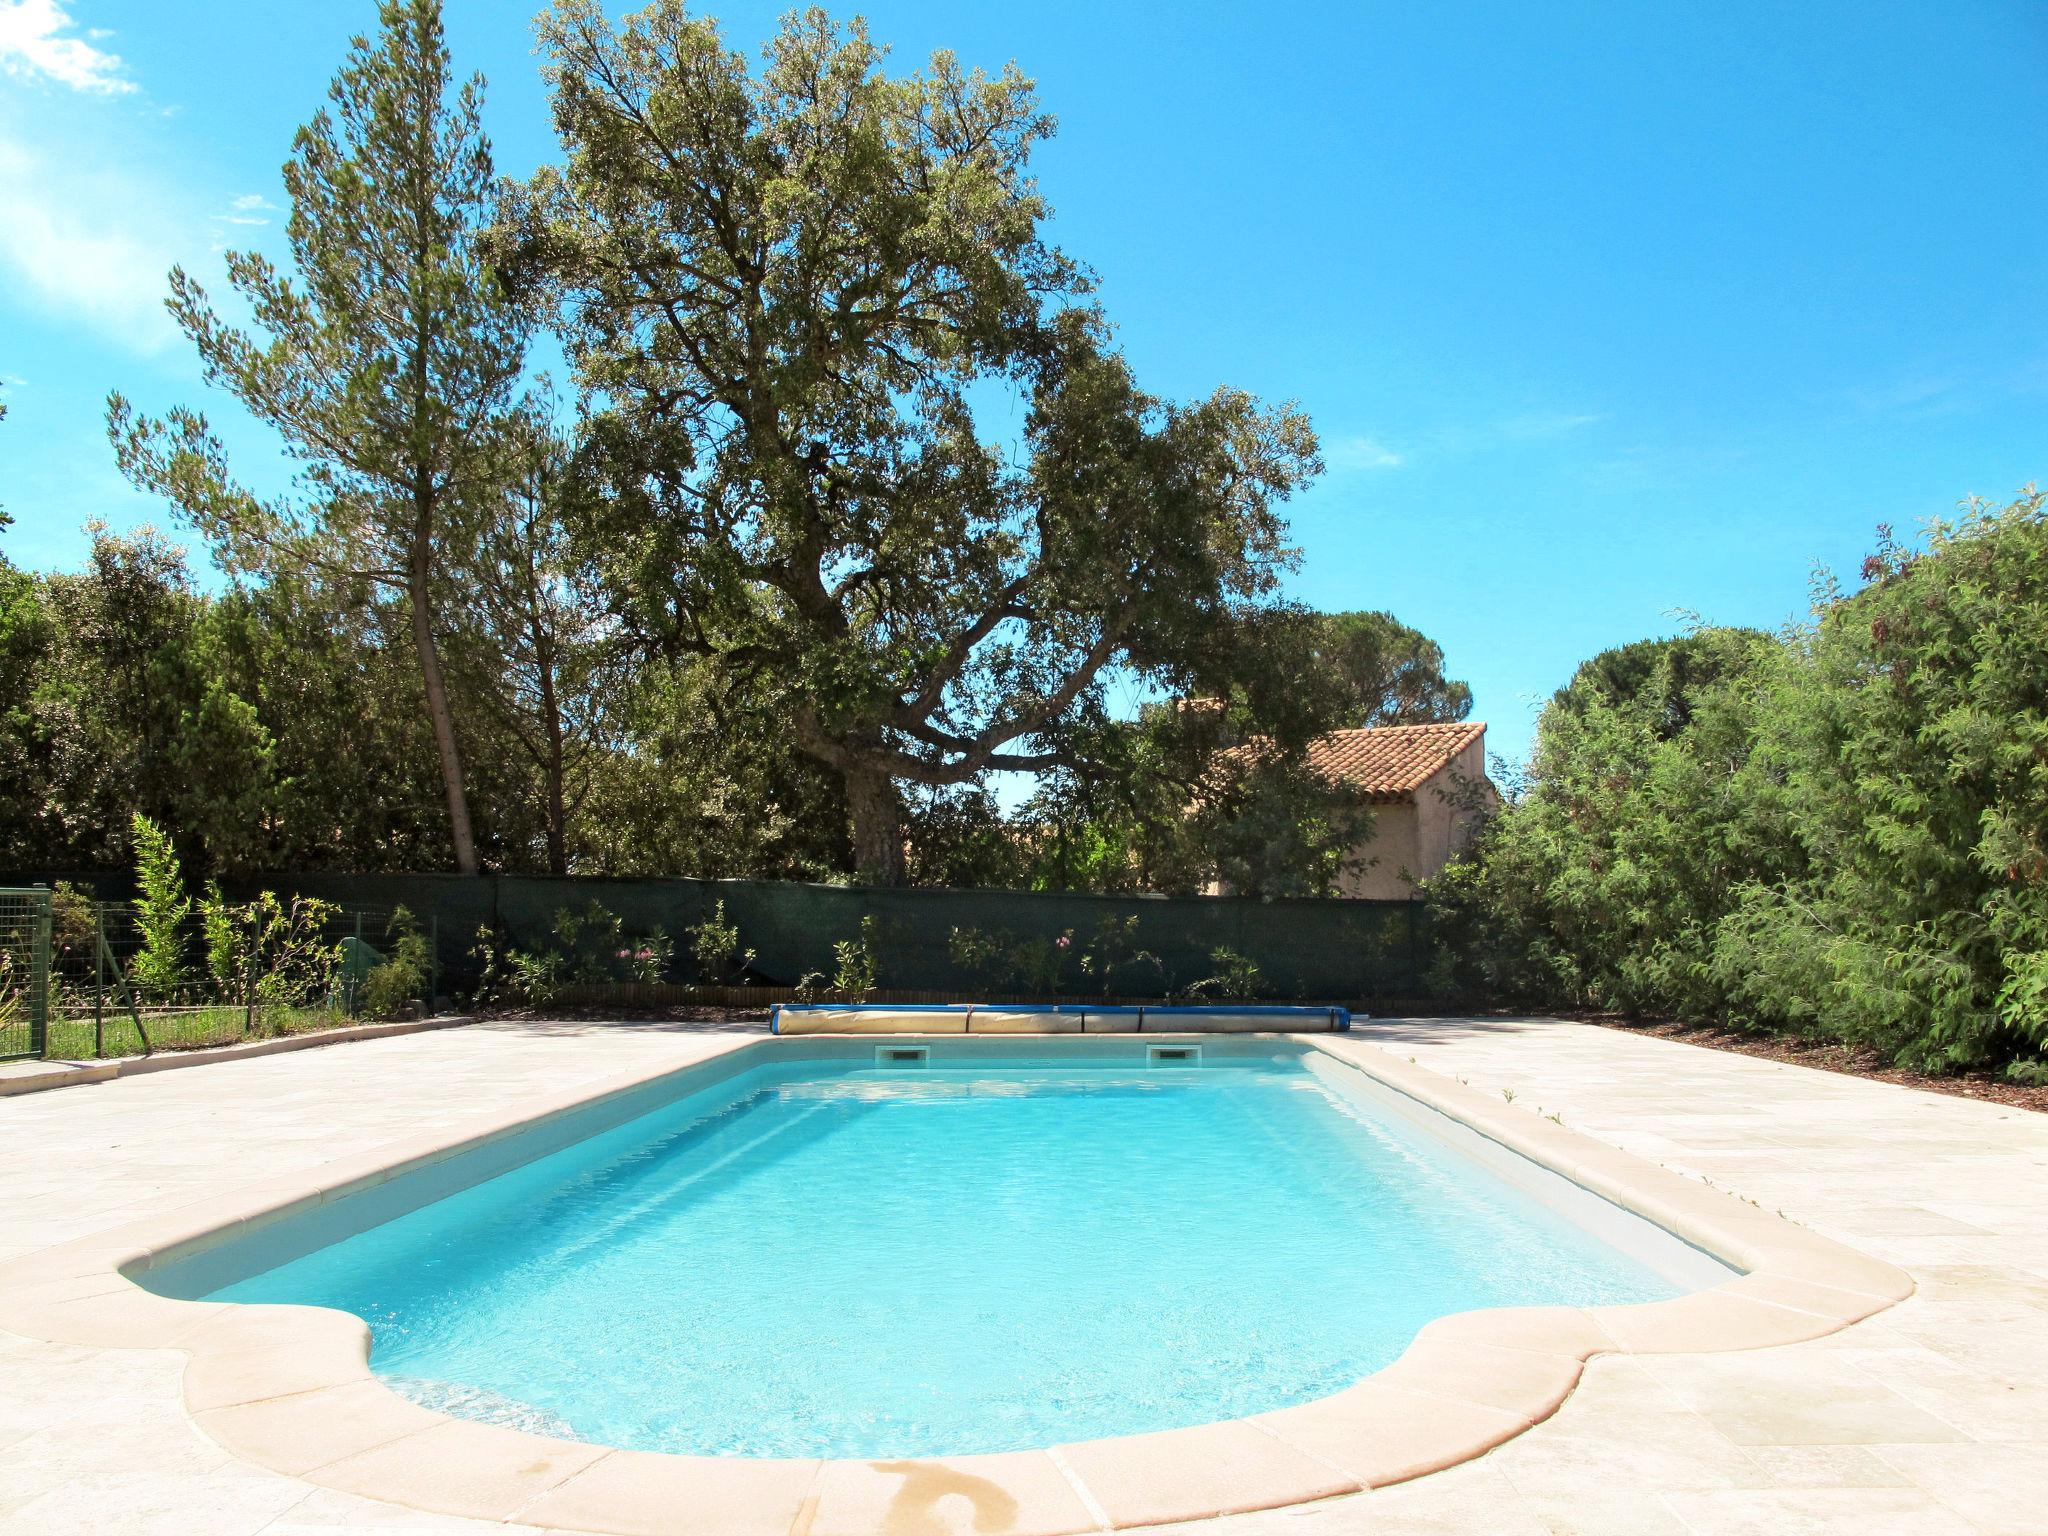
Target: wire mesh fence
{"points": [[24, 972], [122, 979]]}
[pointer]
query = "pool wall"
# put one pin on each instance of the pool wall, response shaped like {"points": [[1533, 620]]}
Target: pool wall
{"points": [[290, 1388], [194, 1272]]}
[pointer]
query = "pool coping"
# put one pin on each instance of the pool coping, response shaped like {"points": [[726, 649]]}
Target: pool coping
{"points": [[290, 1388], [40, 1075]]}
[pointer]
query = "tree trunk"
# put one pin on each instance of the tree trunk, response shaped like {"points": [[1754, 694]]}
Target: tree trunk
{"points": [[438, 711], [877, 826], [556, 772]]}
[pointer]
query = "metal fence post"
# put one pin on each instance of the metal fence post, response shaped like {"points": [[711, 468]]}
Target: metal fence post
{"points": [[433, 959], [99, 981], [39, 984], [355, 964]]}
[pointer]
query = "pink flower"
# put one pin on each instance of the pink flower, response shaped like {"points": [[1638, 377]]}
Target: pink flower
{"points": [[1064, 941], [625, 954], [645, 954]]}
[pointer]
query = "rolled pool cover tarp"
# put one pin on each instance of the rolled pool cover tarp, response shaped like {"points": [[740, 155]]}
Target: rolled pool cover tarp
{"points": [[1052, 1019]]}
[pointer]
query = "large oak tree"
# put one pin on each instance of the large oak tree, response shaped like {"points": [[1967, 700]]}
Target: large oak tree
{"points": [[801, 301]]}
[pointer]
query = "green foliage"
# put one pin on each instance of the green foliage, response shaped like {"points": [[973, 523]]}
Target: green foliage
{"points": [[121, 705], [404, 976], [1388, 672], [1184, 810], [74, 929], [855, 971], [779, 354], [1000, 961], [715, 947], [157, 971], [684, 643], [587, 946], [595, 947], [959, 838], [1237, 978], [1915, 777], [513, 978], [1117, 962], [982, 955], [268, 951], [1041, 963], [1217, 788], [1842, 831], [385, 360], [1604, 886]]}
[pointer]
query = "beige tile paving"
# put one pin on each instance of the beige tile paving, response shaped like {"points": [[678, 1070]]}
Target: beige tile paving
{"points": [[1930, 1418]]}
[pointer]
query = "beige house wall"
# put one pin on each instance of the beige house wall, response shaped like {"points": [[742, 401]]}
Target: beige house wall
{"points": [[1413, 839]]}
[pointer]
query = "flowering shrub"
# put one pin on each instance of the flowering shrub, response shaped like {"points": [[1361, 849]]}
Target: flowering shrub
{"points": [[589, 947], [715, 946]]}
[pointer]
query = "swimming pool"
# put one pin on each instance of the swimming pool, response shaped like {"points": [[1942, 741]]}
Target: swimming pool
{"points": [[996, 1246]]}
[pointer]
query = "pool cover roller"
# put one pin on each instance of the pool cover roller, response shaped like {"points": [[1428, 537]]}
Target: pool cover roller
{"points": [[1050, 1019]]}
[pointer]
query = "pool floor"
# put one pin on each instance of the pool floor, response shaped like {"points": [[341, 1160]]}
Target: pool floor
{"points": [[825, 1259]]}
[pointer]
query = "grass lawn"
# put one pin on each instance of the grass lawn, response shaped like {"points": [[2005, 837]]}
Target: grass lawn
{"points": [[71, 1037]]}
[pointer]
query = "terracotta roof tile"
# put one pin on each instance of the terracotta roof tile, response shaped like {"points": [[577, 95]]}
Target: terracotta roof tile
{"points": [[1391, 762]]}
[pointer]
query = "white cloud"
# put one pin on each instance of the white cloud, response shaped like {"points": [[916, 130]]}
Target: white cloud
{"points": [[1360, 453], [35, 40], [1542, 424], [250, 210], [85, 246]]}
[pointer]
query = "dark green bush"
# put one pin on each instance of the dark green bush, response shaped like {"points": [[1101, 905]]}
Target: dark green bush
{"points": [[1841, 831], [404, 976]]}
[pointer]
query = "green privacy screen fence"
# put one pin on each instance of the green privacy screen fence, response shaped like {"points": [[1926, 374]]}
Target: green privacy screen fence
{"points": [[957, 942], [937, 940]]}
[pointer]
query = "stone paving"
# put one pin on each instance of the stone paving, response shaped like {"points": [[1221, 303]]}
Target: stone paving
{"points": [[1929, 1418]]}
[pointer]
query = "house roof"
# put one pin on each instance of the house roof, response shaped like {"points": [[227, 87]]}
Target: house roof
{"points": [[1391, 762]]}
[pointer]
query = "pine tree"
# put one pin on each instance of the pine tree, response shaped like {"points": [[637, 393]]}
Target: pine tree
{"points": [[388, 365]]}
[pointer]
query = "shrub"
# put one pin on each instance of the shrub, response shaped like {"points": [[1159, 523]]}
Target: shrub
{"points": [[404, 976], [1840, 831], [268, 951], [1236, 979], [983, 956], [157, 971], [1000, 961], [591, 947], [511, 977], [715, 948], [854, 976], [1114, 951], [588, 946]]}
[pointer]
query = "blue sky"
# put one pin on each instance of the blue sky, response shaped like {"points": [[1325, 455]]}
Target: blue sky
{"points": [[1607, 313]]}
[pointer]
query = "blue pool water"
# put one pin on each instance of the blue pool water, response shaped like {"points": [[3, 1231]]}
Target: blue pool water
{"points": [[820, 1258]]}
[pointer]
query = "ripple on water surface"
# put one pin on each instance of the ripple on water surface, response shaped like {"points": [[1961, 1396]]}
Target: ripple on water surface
{"points": [[951, 1260]]}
